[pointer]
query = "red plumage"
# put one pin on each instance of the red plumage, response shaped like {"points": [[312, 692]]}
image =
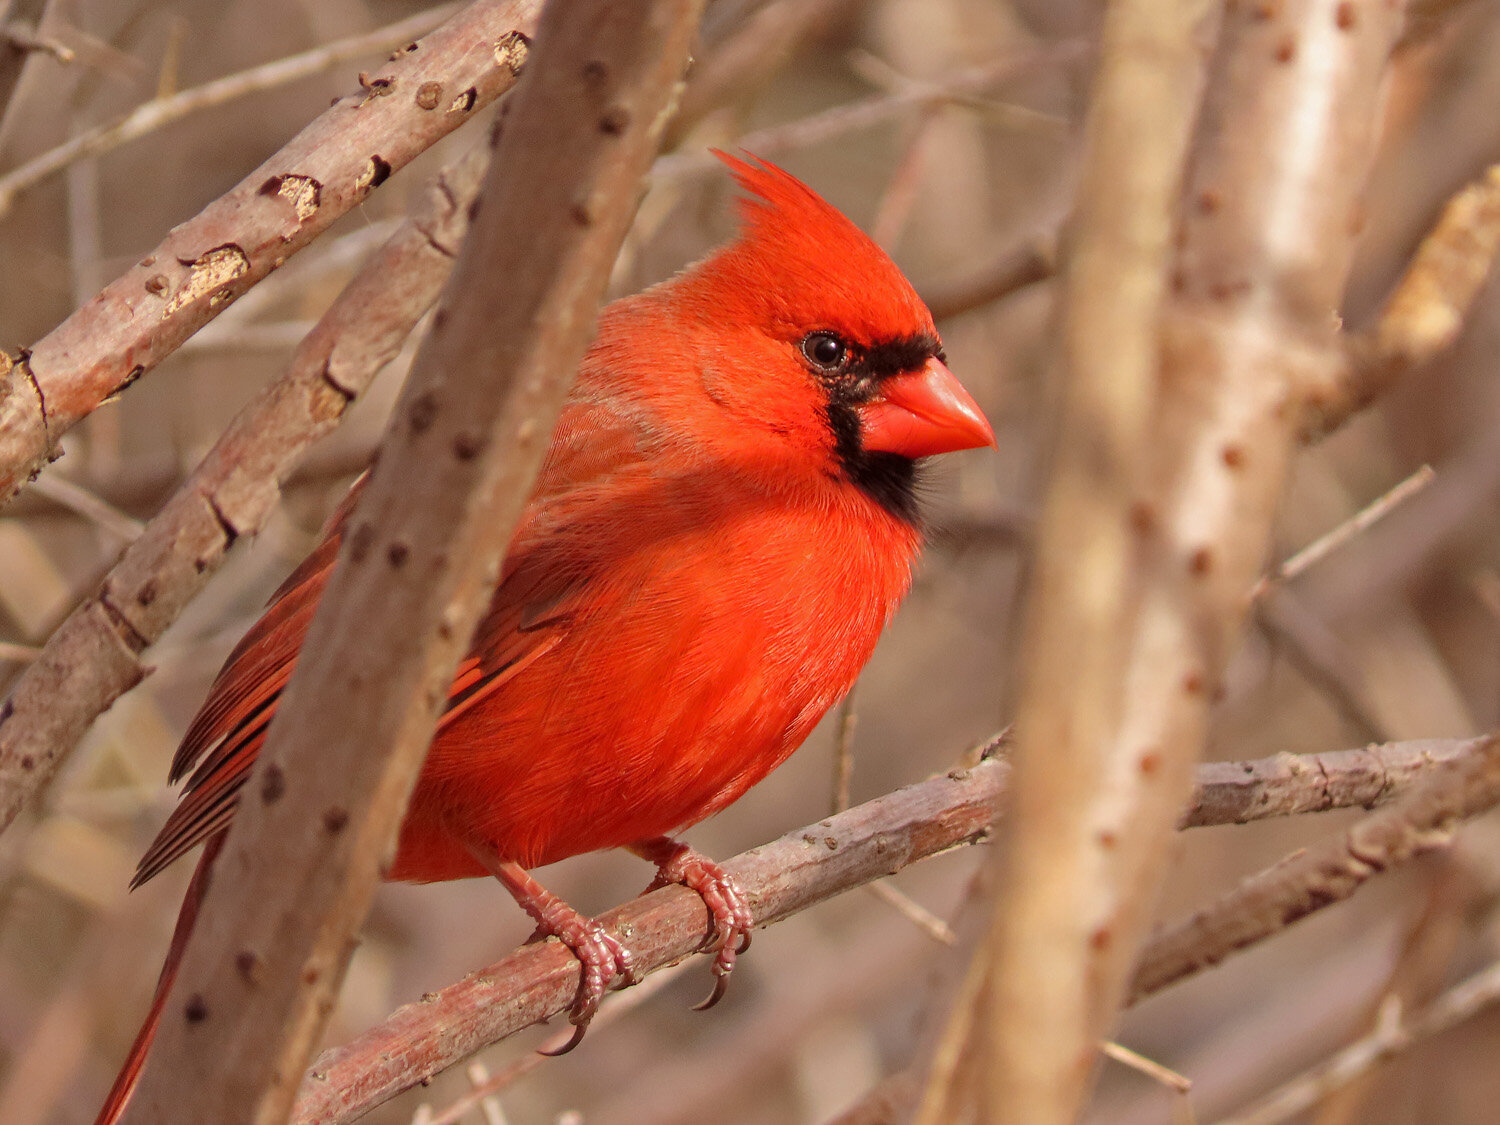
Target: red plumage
{"points": [[721, 529]]}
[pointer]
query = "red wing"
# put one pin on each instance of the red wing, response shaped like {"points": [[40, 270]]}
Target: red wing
{"points": [[527, 618]]}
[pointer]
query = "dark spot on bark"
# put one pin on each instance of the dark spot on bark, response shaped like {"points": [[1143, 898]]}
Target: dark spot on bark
{"points": [[360, 542], [380, 171], [1192, 683], [1201, 561], [464, 102], [156, 285], [1286, 50], [272, 784], [614, 120], [1343, 16], [1100, 938], [466, 446], [28, 762], [270, 187], [596, 72], [423, 412], [1142, 517], [397, 554], [429, 94], [310, 975], [1209, 201], [249, 965], [335, 820], [1107, 839], [147, 593], [1150, 762], [196, 1009], [1233, 455], [831, 842], [7, 709]]}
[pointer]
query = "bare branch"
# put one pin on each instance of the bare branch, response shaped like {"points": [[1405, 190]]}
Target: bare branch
{"points": [[1009, 273], [1427, 310], [1393, 1034], [1176, 434], [160, 112], [329, 167], [458, 460], [805, 867], [19, 22], [1041, 1001], [91, 660], [1316, 877]]}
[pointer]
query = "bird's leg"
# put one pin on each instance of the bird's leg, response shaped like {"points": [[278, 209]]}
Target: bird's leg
{"points": [[730, 920], [599, 952]]}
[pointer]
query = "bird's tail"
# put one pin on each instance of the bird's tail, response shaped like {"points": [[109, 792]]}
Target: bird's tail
{"points": [[130, 1073]]}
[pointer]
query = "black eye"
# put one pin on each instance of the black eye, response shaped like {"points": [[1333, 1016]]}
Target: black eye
{"points": [[825, 349]]}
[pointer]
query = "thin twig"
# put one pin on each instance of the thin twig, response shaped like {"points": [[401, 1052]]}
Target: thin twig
{"points": [[843, 751], [1392, 1035], [865, 114], [1331, 540], [611, 1010], [163, 111], [76, 498], [914, 912]]}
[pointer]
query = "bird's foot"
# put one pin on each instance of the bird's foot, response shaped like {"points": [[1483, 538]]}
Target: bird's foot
{"points": [[730, 919], [602, 957], [600, 953]]}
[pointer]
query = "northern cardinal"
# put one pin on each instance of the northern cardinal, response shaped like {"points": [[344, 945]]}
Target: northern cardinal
{"points": [[725, 521]]}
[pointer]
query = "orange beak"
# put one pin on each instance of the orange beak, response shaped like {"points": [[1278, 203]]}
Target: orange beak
{"points": [[923, 413]]}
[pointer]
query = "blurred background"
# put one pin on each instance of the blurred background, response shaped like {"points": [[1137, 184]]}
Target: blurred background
{"points": [[951, 130]]}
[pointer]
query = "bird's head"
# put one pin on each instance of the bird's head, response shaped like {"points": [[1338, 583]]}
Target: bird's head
{"points": [[835, 354]]}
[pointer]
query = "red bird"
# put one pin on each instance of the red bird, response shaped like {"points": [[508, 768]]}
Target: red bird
{"points": [[724, 523]]}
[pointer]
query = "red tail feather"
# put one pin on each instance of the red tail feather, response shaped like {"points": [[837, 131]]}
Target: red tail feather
{"points": [[130, 1073]]}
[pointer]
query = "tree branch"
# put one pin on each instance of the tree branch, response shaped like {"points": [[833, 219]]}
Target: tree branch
{"points": [[1178, 425], [1313, 878], [92, 659], [417, 566], [1426, 311], [163, 111], [329, 167], [799, 870]]}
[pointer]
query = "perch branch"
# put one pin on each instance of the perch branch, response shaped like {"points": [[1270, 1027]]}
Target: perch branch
{"points": [[805, 867], [93, 658], [329, 167], [319, 814]]}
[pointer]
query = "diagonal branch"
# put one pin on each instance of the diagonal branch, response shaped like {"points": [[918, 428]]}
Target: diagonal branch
{"points": [[92, 659], [1313, 878], [416, 568], [417, 98], [798, 871]]}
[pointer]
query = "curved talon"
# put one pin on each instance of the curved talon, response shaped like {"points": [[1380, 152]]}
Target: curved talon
{"points": [[729, 918], [576, 1039]]}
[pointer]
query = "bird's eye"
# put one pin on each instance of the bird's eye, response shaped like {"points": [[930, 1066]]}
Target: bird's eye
{"points": [[825, 349]]}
